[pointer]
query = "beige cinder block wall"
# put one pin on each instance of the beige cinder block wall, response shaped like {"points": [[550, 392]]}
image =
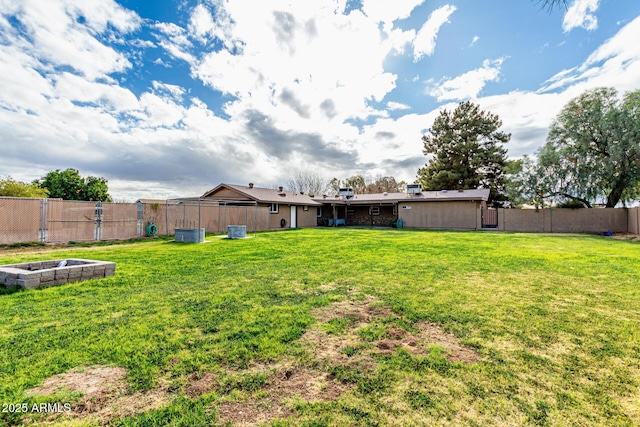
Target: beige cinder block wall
{"points": [[633, 220], [596, 220], [460, 215], [526, 220]]}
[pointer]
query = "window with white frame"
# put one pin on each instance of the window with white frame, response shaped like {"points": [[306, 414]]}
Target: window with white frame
{"points": [[273, 208]]}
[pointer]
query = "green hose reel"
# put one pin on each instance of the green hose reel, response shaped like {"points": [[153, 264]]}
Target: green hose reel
{"points": [[151, 229]]}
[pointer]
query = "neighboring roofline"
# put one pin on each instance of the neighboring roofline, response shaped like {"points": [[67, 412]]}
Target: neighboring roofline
{"points": [[393, 198], [281, 200]]}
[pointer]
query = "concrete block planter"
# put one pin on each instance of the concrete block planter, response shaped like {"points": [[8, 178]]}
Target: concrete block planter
{"points": [[32, 275]]}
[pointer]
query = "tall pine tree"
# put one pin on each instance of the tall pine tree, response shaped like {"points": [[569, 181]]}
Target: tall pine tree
{"points": [[468, 152]]}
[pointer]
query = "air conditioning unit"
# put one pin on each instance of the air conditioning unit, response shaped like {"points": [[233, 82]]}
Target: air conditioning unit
{"points": [[346, 192], [414, 188]]}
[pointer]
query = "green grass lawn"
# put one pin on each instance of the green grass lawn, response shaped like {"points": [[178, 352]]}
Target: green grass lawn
{"points": [[206, 333]]}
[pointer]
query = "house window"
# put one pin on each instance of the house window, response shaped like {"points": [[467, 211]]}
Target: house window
{"points": [[319, 212], [351, 213], [375, 210], [273, 208], [305, 208], [395, 209]]}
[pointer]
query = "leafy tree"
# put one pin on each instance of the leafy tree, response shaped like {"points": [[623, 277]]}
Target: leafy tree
{"points": [[12, 188], [356, 182], [467, 152], [386, 184], [512, 170], [592, 152], [69, 185], [308, 183], [96, 189]]}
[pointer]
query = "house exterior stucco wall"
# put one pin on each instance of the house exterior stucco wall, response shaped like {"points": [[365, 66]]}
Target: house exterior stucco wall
{"points": [[307, 219], [284, 212], [461, 215]]}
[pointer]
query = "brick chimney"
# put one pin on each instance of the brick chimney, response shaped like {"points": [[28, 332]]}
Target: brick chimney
{"points": [[251, 185]]}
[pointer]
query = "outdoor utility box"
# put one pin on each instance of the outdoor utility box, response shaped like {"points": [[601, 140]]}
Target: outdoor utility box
{"points": [[237, 231], [189, 235], [346, 192], [414, 188]]}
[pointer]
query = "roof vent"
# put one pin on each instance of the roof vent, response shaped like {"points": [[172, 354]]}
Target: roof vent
{"points": [[443, 191], [281, 189], [251, 185], [385, 194], [414, 188]]}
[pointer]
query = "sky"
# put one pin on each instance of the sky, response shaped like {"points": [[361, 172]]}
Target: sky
{"points": [[170, 98]]}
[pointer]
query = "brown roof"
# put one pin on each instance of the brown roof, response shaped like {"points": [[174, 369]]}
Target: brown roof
{"points": [[426, 196], [265, 195]]}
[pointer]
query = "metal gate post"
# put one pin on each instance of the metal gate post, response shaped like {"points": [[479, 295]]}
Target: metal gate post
{"points": [[166, 217], [43, 220], [140, 219], [97, 235]]}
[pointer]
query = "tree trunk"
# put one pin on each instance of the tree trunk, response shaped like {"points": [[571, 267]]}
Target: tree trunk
{"points": [[616, 194]]}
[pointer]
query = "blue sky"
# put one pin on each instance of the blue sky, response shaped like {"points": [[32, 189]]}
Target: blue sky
{"points": [[170, 98]]}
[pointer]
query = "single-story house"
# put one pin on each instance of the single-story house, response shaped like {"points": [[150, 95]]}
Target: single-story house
{"points": [[287, 208], [457, 209]]}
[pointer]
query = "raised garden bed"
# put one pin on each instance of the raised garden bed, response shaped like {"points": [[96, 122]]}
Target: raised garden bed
{"points": [[32, 275]]}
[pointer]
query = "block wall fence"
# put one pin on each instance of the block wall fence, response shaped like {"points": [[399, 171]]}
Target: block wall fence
{"points": [[54, 220]]}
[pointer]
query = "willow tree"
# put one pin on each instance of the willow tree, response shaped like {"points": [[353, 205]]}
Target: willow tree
{"points": [[592, 153]]}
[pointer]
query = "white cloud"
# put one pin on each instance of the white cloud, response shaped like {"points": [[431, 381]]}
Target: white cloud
{"points": [[581, 13], [175, 40], [295, 91], [425, 41], [63, 34], [474, 40], [615, 63], [469, 84], [389, 11], [279, 59], [397, 106]]}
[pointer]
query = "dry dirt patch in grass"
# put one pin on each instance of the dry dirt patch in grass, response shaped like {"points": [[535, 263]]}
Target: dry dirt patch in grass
{"points": [[200, 385], [626, 236], [281, 386], [433, 334], [105, 393], [331, 347]]}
